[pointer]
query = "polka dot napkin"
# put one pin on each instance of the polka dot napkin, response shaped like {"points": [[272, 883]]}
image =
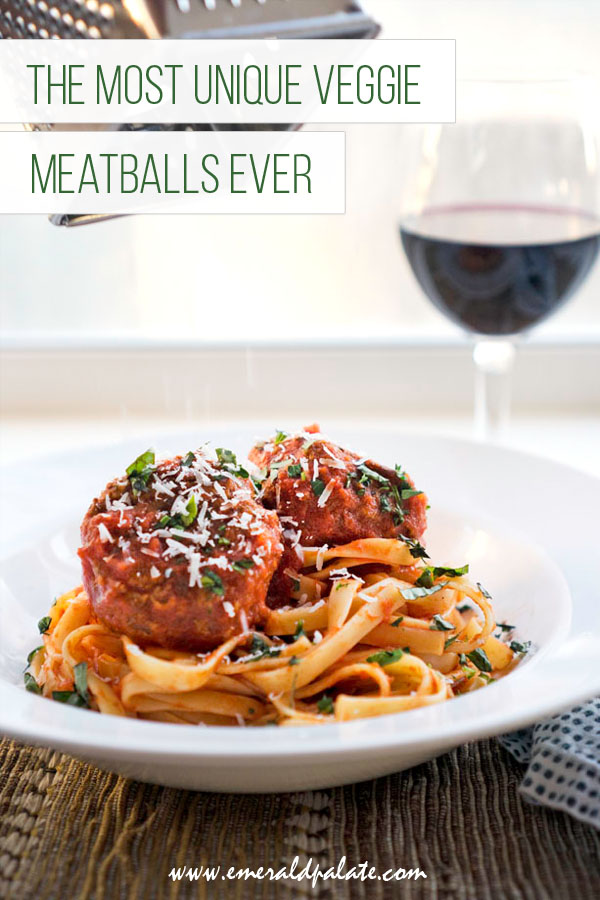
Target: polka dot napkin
{"points": [[563, 757]]}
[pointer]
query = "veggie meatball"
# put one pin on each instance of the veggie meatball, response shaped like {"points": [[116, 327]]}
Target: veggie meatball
{"points": [[179, 554], [324, 494]]}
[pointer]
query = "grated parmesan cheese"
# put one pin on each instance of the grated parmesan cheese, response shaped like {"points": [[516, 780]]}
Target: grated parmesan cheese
{"points": [[325, 495], [321, 557], [220, 491], [194, 569], [333, 463], [104, 534]]}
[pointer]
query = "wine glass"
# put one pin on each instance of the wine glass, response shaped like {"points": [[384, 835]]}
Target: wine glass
{"points": [[501, 216]]}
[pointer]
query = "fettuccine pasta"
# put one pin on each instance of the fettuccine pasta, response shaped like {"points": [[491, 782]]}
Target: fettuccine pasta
{"points": [[371, 629]]}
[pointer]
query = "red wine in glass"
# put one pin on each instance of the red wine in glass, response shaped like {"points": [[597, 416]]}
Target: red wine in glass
{"points": [[499, 270]]}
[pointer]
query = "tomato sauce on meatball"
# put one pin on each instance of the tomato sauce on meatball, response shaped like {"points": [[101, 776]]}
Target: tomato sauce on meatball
{"points": [[179, 554], [324, 494]]}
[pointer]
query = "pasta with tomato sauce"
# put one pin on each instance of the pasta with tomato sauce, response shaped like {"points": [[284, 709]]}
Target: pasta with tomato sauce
{"points": [[215, 597]]}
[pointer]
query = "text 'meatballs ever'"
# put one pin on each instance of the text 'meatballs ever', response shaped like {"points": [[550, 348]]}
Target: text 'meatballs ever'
{"points": [[324, 494], [178, 553]]}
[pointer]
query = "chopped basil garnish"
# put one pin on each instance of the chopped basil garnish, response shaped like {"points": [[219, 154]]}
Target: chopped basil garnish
{"points": [[295, 471], [71, 698], [80, 696], [370, 475], [31, 684], [484, 592], [414, 593], [144, 461], [228, 460], [260, 649], [398, 517], [440, 624], [317, 486], [504, 627], [191, 512], [140, 470], [226, 457], [280, 437], [397, 621], [180, 520], [450, 641], [520, 646], [407, 493], [242, 564], [294, 661], [295, 584], [32, 654], [426, 578], [80, 672], [325, 704], [299, 632], [417, 551], [188, 459], [384, 503], [213, 582], [386, 657], [452, 573], [44, 624], [429, 574], [480, 659]]}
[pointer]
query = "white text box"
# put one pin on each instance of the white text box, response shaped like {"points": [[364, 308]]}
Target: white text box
{"points": [[172, 172], [237, 82]]}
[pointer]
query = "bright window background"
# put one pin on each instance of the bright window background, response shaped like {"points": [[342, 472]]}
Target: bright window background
{"points": [[242, 279]]}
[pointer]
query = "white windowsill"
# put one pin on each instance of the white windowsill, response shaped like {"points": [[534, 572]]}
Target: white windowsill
{"points": [[300, 379]]}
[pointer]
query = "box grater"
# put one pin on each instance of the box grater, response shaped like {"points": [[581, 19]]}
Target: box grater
{"points": [[251, 19]]}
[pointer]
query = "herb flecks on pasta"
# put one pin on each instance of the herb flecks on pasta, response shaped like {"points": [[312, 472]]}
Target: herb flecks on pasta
{"points": [[377, 631]]}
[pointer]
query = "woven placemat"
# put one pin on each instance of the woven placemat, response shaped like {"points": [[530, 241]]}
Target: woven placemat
{"points": [[69, 830]]}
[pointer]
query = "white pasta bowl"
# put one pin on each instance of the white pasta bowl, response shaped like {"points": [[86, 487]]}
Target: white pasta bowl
{"points": [[527, 527]]}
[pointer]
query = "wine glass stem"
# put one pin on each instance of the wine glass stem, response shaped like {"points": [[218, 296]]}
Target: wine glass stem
{"points": [[494, 361]]}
